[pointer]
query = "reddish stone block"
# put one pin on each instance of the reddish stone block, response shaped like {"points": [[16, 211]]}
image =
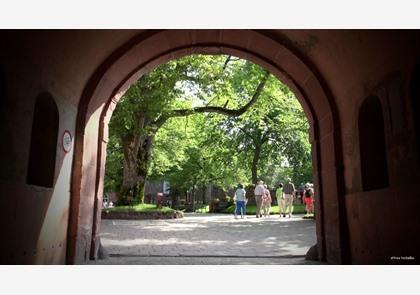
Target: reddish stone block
{"points": [[327, 152], [235, 38]]}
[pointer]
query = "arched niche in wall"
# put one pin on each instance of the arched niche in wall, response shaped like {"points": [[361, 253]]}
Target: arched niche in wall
{"points": [[43, 147], [3, 88], [3, 94], [373, 156], [415, 102], [5, 139]]}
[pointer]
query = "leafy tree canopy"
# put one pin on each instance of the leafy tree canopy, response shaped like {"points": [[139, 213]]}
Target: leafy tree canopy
{"points": [[191, 147]]}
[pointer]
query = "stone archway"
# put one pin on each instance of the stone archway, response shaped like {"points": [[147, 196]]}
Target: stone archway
{"points": [[147, 50]]}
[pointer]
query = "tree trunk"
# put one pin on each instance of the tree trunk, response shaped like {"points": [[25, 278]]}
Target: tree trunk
{"points": [[130, 145], [143, 161], [204, 194], [193, 199], [137, 150], [174, 198]]}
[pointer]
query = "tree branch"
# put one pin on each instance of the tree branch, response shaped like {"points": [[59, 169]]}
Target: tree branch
{"points": [[215, 109], [265, 138], [197, 162], [229, 59], [249, 135], [226, 62]]}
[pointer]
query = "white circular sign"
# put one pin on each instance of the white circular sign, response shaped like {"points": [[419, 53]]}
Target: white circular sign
{"points": [[67, 141]]}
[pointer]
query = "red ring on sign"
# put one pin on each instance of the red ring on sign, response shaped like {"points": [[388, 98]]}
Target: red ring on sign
{"points": [[66, 150]]}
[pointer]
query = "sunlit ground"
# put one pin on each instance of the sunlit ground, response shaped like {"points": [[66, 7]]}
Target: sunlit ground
{"points": [[217, 236]]}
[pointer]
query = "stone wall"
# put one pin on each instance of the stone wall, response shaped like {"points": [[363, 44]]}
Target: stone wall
{"points": [[332, 72]]}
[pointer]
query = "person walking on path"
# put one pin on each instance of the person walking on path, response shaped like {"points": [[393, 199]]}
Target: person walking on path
{"points": [[289, 190], [280, 199], [259, 192], [309, 199], [266, 202], [240, 200]]}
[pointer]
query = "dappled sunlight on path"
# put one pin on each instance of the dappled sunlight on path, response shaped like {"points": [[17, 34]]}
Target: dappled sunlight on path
{"points": [[210, 235]]}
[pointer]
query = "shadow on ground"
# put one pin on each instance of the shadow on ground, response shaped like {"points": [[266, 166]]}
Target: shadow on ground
{"points": [[211, 239]]}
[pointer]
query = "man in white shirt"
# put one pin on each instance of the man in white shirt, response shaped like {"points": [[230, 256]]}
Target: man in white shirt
{"points": [[259, 192]]}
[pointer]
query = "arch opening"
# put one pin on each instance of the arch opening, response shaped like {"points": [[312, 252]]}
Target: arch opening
{"points": [[276, 149], [118, 72]]}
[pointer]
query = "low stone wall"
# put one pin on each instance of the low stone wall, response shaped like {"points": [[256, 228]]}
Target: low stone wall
{"points": [[142, 215]]}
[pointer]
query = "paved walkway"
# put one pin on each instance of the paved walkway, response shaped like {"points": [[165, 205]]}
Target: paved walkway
{"points": [[208, 239]]}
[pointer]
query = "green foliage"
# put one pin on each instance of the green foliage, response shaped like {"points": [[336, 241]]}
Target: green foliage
{"points": [[198, 155], [114, 165], [140, 208], [278, 127], [210, 148], [203, 209]]}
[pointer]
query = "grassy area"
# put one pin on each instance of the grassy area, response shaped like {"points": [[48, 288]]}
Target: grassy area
{"points": [[250, 210], [203, 209], [140, 208]]}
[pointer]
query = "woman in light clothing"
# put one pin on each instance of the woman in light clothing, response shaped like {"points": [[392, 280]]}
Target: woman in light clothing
{"points": [[240, 200], [280, 199], [259, 192], [266, 202]]}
